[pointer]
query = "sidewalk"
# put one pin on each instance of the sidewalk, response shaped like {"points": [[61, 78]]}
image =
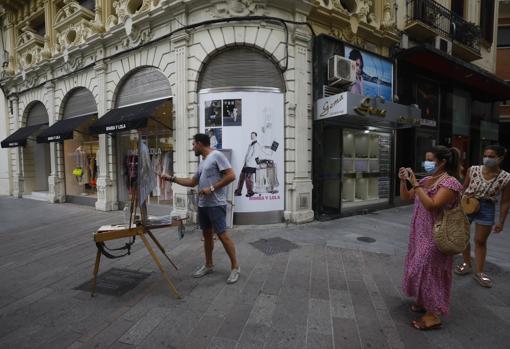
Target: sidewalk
{"points": [[330, 290]]}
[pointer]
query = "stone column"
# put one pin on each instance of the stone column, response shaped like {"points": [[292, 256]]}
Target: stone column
{"points": [[106, 179], [17, 178], [182, 144], [300, 191], [56, 180]]}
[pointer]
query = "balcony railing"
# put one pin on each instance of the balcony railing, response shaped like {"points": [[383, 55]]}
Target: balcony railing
{"points": [[444, 21]]}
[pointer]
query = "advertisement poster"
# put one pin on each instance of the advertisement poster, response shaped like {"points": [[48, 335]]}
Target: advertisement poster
{"points": [[374, 75], [252, 127]]}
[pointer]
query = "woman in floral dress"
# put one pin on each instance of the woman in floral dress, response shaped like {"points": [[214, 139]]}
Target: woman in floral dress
{"points": [[428, 272]]}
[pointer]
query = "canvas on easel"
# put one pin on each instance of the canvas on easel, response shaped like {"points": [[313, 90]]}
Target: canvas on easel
{"points": [[136, 228]]}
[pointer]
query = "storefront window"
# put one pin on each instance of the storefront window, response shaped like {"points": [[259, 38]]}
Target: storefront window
{"points": [[80, 154], [365, 167], [158, 138]]}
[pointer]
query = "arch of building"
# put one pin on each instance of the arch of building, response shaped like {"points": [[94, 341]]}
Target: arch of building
{"points": [[140, 85], [36, 159], [193, 52]]}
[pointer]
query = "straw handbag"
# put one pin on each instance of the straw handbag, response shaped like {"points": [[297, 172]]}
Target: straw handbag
{"points": [[451, 231]]}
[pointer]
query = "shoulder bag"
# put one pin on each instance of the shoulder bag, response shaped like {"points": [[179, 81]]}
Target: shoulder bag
{"points": [[470, 204], [451, 230]]}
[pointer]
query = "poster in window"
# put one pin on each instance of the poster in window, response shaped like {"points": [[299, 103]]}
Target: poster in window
{"points": [[374, 74], [232, 115], [256, 144], [215, 137], [212, 116]]}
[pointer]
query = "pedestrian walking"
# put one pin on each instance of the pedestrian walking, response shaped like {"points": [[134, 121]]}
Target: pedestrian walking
{"points": [[428, 272], [485, 183], [214, 173]]}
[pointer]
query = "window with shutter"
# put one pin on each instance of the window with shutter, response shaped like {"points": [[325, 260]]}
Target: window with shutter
{"points": [[487, 20], [241, 68]]}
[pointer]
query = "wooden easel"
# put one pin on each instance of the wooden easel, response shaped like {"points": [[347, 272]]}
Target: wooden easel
{"points": [[140, 230]]}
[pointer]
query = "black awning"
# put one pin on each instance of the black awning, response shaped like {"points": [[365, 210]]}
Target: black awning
{"points": [[488, 86], [126, 118], [19, 138], [63, 129]]}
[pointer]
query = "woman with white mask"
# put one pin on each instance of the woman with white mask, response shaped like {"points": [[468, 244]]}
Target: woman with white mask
{"points": [[486, 183]]}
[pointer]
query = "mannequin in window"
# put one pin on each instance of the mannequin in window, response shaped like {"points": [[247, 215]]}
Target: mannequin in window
{"points": [[80, 161]]}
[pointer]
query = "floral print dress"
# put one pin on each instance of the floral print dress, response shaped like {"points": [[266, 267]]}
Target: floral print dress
{"points": [[427, 271]]}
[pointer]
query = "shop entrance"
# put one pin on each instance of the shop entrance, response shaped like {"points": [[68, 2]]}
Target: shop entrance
{"points": [[353, 169], [142, 115], [36, 157]]}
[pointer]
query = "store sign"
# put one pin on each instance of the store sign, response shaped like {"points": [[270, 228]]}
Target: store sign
{"points": [[54, 138], [347, 105], [13, 144], [331, 106], [366, 108], [251, 124], [116, 127], [428, 122]]}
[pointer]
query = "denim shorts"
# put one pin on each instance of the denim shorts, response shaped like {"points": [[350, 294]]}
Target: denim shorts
{"points": [[486, 214], [214, 217]]}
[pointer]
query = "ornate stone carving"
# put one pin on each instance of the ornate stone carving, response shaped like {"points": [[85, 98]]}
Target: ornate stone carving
{"points": [[135, 36], [388, 18], [229, 8], [74, 24], [73, 63], [346, 34], [111, 22], [125, 9], [338, 5], [29, 47]]}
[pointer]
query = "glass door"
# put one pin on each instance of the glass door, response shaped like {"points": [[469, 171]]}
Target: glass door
{"points": [[330, 172]]}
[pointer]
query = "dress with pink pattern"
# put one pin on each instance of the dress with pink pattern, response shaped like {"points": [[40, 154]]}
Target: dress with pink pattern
{"points": [[428, 272]]}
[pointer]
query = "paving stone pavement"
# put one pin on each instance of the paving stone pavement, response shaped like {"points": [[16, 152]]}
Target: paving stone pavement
{"points": [[332, 291]]}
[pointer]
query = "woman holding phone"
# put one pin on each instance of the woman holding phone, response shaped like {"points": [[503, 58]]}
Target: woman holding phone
{"points": [[427, 271]]}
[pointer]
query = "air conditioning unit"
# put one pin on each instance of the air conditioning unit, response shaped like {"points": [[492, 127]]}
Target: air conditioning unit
{"points": [[341, 71], [443, 44], [404, 41]]}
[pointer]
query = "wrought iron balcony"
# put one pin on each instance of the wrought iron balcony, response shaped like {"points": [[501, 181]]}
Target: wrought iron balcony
{"points": [[427, 19]]}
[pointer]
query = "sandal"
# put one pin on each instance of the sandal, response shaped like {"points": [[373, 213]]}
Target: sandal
{"points": [[422, 326], [415, 308], [463, 269], [483, 279]]}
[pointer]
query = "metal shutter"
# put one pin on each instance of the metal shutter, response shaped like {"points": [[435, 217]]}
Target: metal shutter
{"points": [[37, 115], [241, 67], [80, 102], [143, 85]]}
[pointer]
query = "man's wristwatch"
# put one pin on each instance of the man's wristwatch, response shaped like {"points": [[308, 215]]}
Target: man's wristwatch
{"points": [[211, 188]]}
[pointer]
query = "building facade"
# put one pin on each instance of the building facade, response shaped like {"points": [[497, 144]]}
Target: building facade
{"points": [[503, 72], [446, 65], [163, 70]]}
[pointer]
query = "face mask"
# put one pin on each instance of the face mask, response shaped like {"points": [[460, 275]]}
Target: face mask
{"points": [[429, 166], [490, 162]]}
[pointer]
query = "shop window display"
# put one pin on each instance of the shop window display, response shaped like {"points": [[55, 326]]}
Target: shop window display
{"points": [[81, 163], [361, 168], [157, 136]]}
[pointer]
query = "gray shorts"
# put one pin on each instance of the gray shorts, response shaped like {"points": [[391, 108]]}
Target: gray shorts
{"points": [[214, 217]]}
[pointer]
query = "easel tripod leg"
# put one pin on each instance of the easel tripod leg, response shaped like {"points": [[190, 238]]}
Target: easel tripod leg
{"points": [[161, 248], [96, 269], [158, 263]]}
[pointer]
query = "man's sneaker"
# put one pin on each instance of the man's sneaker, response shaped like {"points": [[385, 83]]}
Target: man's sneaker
{"points": [[202, 271], [234, 276]]}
